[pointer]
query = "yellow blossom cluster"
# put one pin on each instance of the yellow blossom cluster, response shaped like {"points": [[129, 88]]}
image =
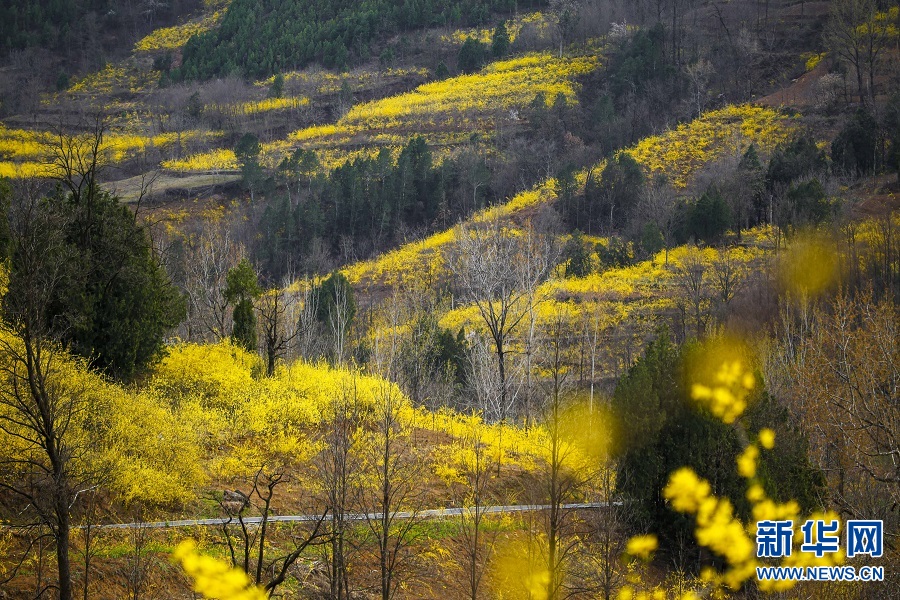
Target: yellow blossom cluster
{"points": [[321, 82], [813, 60], [502, 84], [213, 578], [172, 38], [453, 102], [29, 152], [717, 526], [222, 159], [23, 170], [727, 398], [884, 24], [485, 34], [680, 152], [259, 106], [120, 76]]}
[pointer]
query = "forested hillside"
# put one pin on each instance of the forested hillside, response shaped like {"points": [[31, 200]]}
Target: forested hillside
{"points": [[263, 38], [476, 299]]}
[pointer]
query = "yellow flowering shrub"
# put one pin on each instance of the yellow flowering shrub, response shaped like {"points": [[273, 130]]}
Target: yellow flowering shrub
{"points": [[485, 35], [172, 38], [145, 451], [680, 152], [121, 76], [259, 106], [718, 528], [215, 579], [222, 159], [29, 152], [217, 375]]}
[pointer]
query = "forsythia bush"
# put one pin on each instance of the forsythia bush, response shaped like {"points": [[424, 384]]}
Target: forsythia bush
{"points": [[215, 579], [172, 38], [717, 526], [679, 153], [146, 453]]}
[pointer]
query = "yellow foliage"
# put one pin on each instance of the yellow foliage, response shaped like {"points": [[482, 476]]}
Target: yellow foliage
{"points": [[813, 60], [502, 84], [680, 152], [727, 397], [31, 151], [215, 579], [517, 570], [718, 527], [172, 38], [215, 374], [259, 106], [144, 451], [485, 35], [809, 266], [222, 159], [157, 454], [458, 101], [642, 546], [122, 76]]}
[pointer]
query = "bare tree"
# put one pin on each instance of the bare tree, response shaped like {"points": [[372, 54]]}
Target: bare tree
{"points": [[699, 74], [857, 34], [339, 319], [498, 271], [209, 258], [273, 307], [247, 544], [567, 472], [850, 375], [477, 543], [727, 274], [566, 15], [393, 472], [137, 563], [40, 412], [692, 295], [338, 465]]}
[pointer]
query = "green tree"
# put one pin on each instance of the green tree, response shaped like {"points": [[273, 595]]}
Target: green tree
{"points": [[855, 149], [663, 430], [794, 159], [471, 56], [247, 152], [614, 253], [500, 41], [710, 217], [805, 204], [577, 256], [619, 190], [652, 240], [276, 90], [114, 303], [241, 289]]}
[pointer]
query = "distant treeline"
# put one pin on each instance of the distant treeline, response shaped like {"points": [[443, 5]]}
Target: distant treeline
{"points": [[367, 200], [25, 23], [259, 38]]}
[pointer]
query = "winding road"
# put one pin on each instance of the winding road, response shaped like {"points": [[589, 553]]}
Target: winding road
{"points": [[435, 513]]}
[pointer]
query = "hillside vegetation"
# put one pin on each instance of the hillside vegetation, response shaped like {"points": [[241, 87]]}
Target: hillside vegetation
{"points": [[475, 299]]}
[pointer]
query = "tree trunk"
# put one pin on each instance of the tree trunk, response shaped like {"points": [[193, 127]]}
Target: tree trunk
{"points": [[62, 548]]}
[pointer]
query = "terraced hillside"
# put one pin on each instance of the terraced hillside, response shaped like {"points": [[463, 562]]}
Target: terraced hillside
{"points": [[474, 299]]}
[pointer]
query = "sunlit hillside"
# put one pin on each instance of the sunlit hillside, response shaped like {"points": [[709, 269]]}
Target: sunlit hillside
{"points": [[678, 154], [532, 300]]}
